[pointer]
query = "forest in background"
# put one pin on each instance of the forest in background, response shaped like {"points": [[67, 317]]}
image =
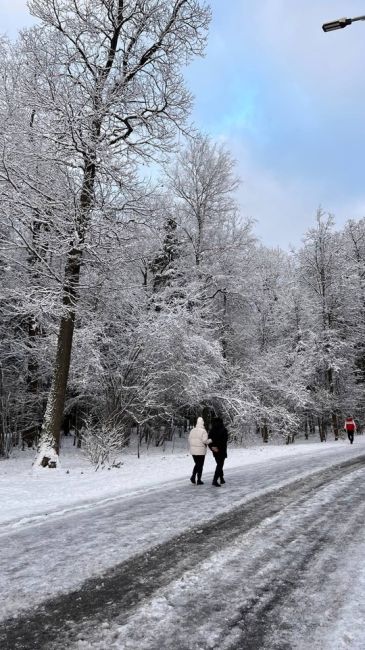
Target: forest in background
{"points": [[124, 249]]}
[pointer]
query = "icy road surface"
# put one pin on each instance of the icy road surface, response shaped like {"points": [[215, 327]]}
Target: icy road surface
{"points": [[271, 560]]}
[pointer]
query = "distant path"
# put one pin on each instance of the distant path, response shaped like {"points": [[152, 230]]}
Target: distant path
{"points": [[116, 595]]}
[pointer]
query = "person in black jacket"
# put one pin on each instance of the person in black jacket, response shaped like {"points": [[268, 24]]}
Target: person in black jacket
{"points": [[219, 438]]}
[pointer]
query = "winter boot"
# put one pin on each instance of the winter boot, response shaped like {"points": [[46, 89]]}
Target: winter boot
{"points": [[222, 481], [199, 482], [216, 483], [192, 478]]}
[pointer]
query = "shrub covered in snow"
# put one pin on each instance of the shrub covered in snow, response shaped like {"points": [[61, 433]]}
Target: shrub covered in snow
{"points": [[102, 442]]}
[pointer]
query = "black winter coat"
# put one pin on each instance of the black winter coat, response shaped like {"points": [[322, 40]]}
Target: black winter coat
{"points": [[219, 438]]}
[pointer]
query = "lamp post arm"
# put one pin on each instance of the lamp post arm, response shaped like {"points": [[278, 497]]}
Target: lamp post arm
{"points": [[353, 20]]}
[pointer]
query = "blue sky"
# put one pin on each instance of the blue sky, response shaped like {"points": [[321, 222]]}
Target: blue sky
{"points": [[287, 99]]}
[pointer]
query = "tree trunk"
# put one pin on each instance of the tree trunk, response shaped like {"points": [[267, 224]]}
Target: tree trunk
{"points": [[54, 413], [265, 433], [51, 429], [322, 429], [311, 424], [333, 412], [306, 434], [224, 326], [335, 425]]}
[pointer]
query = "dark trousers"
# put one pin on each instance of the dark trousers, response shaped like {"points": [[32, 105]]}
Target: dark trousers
{"points": [[198, 467], [350, 435], [218, 474]]}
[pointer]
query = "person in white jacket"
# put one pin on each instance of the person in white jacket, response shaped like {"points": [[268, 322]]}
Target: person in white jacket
{"points": [[198, 441]]}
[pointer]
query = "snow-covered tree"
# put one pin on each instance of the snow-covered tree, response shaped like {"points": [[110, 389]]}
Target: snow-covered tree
{"points": [[329, 353], [105, 91]]}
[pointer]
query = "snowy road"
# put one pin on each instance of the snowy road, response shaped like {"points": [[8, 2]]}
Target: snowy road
{"points": [[251, 565]]}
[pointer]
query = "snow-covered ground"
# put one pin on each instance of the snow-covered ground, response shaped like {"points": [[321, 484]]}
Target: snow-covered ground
{"points": [[239, 597], [28, 495], [61, 527]]}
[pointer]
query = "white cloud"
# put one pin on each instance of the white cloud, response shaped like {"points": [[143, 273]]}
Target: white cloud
{"points": [[285, 207], [288, 99]]}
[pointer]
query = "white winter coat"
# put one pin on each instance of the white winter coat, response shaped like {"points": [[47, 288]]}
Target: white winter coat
{"points": [[198, 439]]}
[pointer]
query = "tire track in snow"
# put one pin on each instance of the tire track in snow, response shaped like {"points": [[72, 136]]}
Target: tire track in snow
{"points": [[57, 622], [276, 618]]}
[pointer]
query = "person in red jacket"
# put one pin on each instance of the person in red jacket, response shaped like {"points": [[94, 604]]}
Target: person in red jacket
{"points": [[350, 428]]}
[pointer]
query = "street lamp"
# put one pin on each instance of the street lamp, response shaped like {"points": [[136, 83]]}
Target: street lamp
{"points": [[340, 23]]}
